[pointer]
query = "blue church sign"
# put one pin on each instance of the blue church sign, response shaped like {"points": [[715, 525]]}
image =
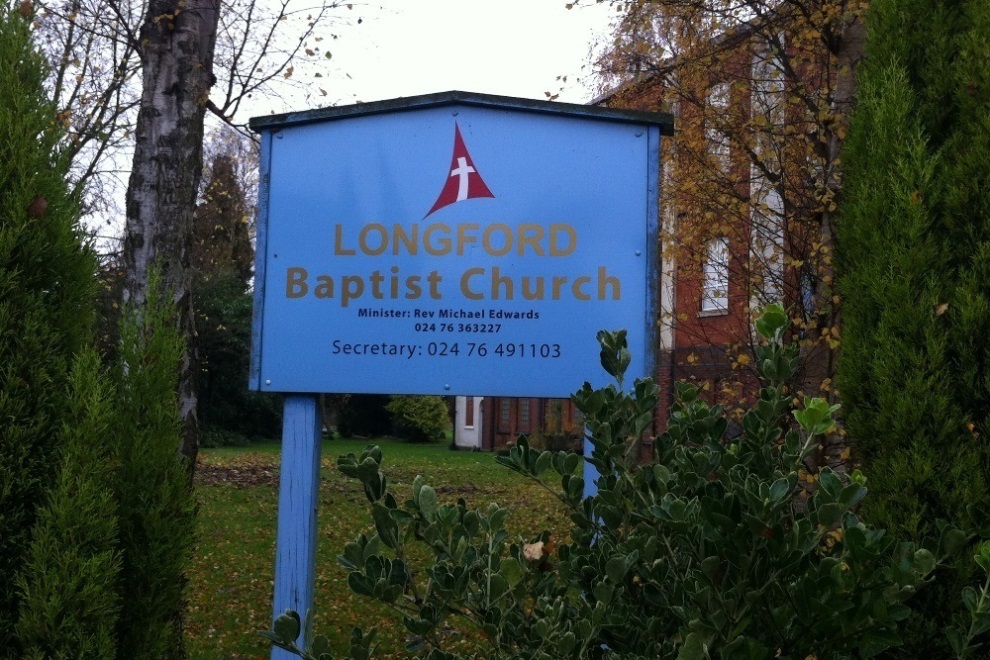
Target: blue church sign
{"points": [[453, 244], [445, 244]]}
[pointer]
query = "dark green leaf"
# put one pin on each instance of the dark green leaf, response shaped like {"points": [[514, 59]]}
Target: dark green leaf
{"points": [[287, 626]]}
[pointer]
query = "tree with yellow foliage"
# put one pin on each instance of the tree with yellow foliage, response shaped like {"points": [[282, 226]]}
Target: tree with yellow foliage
{"points": [[761, 90]]}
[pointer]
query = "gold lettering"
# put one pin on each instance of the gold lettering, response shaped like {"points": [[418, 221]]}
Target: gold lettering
{"points": [[434, 279], [325, 287], [536, 293], [411, 241], [382, 238], [530, 235], [444, 243], [338, 247], [558, 282], [351, 287], [376, 284], [486, 239], [497, 280], [394, 282], [463, 237], [465, 283], [295, 282], [576, 288], [556, 250], [415, 290], [603, 281]]}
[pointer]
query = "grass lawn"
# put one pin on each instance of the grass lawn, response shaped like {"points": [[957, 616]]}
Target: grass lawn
{"points": [[230, 590]]}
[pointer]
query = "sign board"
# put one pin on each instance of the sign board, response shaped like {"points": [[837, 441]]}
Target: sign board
{"points": [[445, 244], [454, 244]]}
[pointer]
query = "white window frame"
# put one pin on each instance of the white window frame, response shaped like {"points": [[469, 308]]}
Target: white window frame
{"points": [[767, 207], [715, 277], [469, 412], [719, 96], [768, 91]]}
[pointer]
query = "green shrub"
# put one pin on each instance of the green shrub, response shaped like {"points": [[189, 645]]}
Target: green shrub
{"points": [[46, 299], [714, 550], [419, 418], [154, 498], [914, 262], [224, 404], [95, 509], [70, 603], [104, 572], [211, 438]]}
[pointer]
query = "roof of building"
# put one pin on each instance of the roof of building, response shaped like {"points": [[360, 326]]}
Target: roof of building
{"points": [[664, 120]]}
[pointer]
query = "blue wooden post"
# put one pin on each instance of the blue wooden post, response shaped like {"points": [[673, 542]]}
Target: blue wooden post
{"points": [[590, 471], [298, 498]]}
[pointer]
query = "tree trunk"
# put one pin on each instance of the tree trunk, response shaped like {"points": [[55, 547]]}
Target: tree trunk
{"points": [[178, 39], [821, 365]]}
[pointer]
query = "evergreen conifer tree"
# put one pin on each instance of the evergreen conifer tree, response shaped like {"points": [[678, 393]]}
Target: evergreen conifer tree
{"points": [[914, 255], [221, 240], [95, 507], [46, 298], [222, 263], [69, 580], [154, 501]]}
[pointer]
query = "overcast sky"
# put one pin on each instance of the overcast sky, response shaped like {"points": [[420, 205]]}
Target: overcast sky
{"points": [[411, 47], [507, 47]]}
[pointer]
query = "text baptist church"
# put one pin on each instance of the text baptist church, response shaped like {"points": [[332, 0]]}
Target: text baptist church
{"points": [[376, 240]]}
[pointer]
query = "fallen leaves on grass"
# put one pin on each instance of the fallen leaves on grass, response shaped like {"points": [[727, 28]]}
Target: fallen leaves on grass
{"points": [[230, 582], [238, 476]]}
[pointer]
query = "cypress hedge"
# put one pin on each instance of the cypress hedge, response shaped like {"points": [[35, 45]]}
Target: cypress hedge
{"points": [[69, 581], [154, 500], [914, 262], [46, 299], [96, 509]]}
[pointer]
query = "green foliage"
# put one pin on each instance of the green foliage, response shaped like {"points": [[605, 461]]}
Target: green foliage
{"points": [[714, 550], [221, 261], [227, 410], [962, 638], [365, 415], [419, 418], [221, 240], [155, 503], [212, 438], [70, 604], [914, 262], [46, 293], [95, 510], [103, 574]]}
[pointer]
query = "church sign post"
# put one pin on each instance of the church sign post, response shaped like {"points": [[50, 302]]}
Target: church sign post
{"points": [[446, 244]]}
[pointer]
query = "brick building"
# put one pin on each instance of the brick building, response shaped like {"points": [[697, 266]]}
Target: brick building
{"points": [[742, 217]]}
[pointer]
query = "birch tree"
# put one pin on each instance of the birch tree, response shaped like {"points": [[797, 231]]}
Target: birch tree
{"points": [[140, 77], [93, 48], [178, 40]]}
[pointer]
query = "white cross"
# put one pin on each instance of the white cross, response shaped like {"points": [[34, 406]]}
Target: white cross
{"points": [[462, 170]]}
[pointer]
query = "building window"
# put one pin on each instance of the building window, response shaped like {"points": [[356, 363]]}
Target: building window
{"points": [[718, 108], [523, 414], [469, 412], [767, 89], [503, 413], [766, 203], [715, 284]]}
